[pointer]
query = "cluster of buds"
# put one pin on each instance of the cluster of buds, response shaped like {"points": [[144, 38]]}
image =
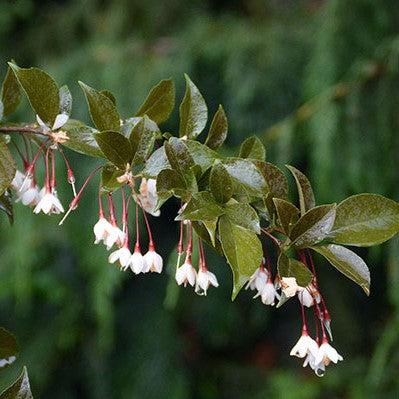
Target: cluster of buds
{"points": [[186, 274], [27, 191]]}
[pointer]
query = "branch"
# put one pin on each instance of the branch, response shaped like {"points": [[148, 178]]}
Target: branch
{"points": [[20, 130]]}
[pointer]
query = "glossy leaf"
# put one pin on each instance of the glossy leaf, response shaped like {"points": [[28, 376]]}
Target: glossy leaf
{"points": [[156, 163], [287, 213], [9, 348], [20, 389], [65, 100], [142, 139], [243, 251], [288, 267], [203, 232], [305, 191], [109, 176], [170, 182], [7, 167], [41, 90], [178, 155], [211, 226], [102, 110], [6, 206], [81, 138], [364, 220], [220, 183], [253, 148], [218, 130], [201, 154], [243, 215], [313, 226], [160, 102], [115, 147], [10, 93], [108, 93], [348, 263], [193, 111], [201, 207], [246, 176], [275, 179]]}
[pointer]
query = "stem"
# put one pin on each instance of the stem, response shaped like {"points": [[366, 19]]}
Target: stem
{"points": [[151, 241], [21, 130], [271, 236], [180, 244], [304, 322], [189, 249], [137, 246], [53, 176]]}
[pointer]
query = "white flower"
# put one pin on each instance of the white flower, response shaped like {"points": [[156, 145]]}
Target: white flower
{"points": [[123, 255], [115, 236], [49, 204], [18, 180], [318, 368], [258, 280], [269, 294], [6, 361], [289, 286], [327, 354], [137, 263], [304, 346], [59, 121], [186, 274], [308, 295], [149, 196], [205, 279], [101, 229], [153, 262], [30, 196]]}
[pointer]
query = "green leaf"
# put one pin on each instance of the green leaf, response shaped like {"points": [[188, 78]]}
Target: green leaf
{"points": [[348, 263], [253, 148], [364, 220], [160, 101], [243, 215], [203, 232], [142, 139], [7, 167], [108, 93], [20, 389], [220, 183], [193, 111], [287, 213], [115, 147], [288, 267], [305, 192], [218, 130], [156, 163], [9, 348], [109, 177], [202, 206], [102, 110], [65, 100], [201, 154], [313, 226], [211, 226], [275, 179], [41, 90], [7, 206], [10, 93], [246, 177], [170, 182], [178, 155], [81, 138], [243, 251]]}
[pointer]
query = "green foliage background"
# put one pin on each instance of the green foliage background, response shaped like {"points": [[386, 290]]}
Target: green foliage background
{"points": [[89, 331]]}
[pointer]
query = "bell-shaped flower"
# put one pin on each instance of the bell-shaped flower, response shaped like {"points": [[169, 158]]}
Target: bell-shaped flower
{"points": [[308, 296], [153, 261], [18, 180], [304, 346], [148, 196], [49, 203], [101, 230], [122, 255], [268, 294], [327, 354], [318, 368], [115, 236], [59, 121], [205, 279], [186, 274], [289, 286], [258, 280], [29, 196], [137, 263]]}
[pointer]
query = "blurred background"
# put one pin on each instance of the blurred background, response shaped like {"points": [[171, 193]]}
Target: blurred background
{"points": [[318, 81]]}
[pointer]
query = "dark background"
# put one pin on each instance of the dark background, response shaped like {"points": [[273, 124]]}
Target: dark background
{"points": [[87, 330]]}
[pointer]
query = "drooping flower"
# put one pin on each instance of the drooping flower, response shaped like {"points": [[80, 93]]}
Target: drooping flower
{"points": [[153, 261], [205, 279], [186, 274], [29, 196], [289, 286], [318, 368], [269, 294], [115, 236], [304, 346], [49, 203], [308, 296], [18, 180], [258, 280], [122, 255], [137, 263], [148, 196], [327, 354], [101, 230]]}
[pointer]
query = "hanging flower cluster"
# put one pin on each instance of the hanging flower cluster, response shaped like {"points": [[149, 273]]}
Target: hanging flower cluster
{"points": [[238, 205]]}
